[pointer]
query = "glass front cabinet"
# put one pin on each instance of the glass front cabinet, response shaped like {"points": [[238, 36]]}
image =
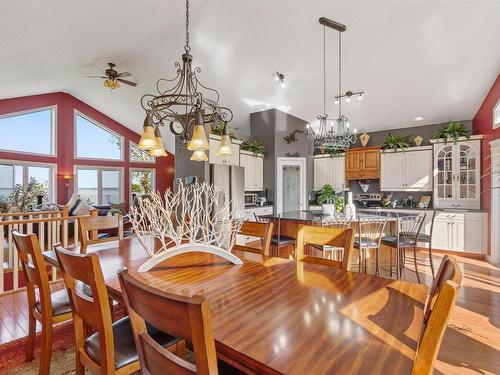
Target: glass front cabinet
{"points": [[457, 168]]}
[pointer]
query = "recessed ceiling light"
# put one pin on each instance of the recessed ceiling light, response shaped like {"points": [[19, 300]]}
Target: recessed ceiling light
{"points": [[418, 118]]}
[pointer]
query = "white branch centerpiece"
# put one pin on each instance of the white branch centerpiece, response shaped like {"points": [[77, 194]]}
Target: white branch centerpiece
{"points": [[194, 218]]}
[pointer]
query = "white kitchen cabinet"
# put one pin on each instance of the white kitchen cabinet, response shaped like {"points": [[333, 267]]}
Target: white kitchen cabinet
{"points": [[410, 170], [457, 169], [331, 171], [213, 158], [254, 171]]}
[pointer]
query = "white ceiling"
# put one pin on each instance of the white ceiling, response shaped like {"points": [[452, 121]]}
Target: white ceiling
{"points": [[431, 59]]}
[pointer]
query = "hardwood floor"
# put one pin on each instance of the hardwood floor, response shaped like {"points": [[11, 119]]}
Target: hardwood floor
{"points": [[471, 344]]}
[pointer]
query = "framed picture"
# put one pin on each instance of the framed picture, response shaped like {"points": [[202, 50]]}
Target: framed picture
{"points": [[424, 201]]}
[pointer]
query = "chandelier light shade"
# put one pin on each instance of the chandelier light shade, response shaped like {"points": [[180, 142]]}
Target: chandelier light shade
{"points": [[225, 147], [185, 104], [199, 155], [148, 139], [159, 150]]}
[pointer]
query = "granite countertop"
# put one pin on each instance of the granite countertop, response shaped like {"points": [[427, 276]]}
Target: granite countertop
{"points": [[364, 209], [313, 216], [253, 207]]}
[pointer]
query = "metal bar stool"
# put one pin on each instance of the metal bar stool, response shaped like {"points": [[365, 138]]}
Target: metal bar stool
{"points": [[341, 222], [370, 232], [427, 238]]}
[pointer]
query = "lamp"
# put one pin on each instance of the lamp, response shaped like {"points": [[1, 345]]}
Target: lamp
{"points": [[199, 140], [225, 144], [159, 150], [199, 155], [148, 139]]}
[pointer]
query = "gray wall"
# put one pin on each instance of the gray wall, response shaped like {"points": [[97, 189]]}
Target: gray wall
{"points": [[185, 167]]}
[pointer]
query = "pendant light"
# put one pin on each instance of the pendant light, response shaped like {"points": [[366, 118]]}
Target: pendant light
{"points": [[148, 139], [225, 147], [199, 155], [159, 150], [199, 140]]}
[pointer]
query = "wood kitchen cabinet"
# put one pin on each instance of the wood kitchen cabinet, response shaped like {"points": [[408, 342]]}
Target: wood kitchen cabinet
{"points": [[363, 163]]}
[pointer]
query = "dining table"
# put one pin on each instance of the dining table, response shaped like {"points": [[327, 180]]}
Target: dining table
{"points": [[278, 316]]}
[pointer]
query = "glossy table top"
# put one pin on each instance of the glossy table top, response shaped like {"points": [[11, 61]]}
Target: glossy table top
{"points": [[274, 315]]}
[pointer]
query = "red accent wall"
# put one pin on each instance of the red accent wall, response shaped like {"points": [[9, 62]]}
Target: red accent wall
{"points": [[483, 124], [66, 105]]}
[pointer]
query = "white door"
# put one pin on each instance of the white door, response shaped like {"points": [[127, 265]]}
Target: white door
{"points": [[495, 202], [418, 170], [337, 173], [392, 176], [321, 172], [290, 184]]}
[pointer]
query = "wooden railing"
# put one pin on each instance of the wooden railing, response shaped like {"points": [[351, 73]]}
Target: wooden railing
{"points": [[49, 226]]}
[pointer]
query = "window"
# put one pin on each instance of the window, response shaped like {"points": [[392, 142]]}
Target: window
{"points": [[99, 185], [94, 141], [25, 185], [142, 181], [29, 132], [138, 155], [496, 116]]}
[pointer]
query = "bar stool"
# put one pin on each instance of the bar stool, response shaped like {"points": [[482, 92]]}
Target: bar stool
{"points": [[278, 241], [427, 238], [370, 232], [341, 222]]}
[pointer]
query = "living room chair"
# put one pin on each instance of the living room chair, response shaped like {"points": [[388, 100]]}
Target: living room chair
{"points": [[89, 227]]}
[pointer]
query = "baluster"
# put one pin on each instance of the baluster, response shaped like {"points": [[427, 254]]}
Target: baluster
{"points": [[65, 226], [15, 264], [41, 235], [29, 226], [75, 231], [49, 233], [9, 240], [2, 258]]}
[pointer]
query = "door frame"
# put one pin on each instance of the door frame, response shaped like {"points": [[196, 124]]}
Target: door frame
{"points": [[282, 161], [494, 257]]}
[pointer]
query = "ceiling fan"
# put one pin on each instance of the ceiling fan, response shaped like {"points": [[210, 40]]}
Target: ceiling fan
{"points": [[112, 78]]}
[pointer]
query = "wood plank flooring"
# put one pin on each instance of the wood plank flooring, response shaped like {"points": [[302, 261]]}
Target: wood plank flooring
{"points": [[471, 344]]}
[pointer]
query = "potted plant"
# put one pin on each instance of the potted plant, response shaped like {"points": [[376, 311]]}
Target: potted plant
{"points": [[396, 141], [326, 198], [254, 146], [453, 131]]}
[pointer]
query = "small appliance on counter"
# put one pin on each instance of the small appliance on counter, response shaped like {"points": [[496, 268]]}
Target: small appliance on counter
{"points": [[251, 199], [262, 201], [367, 200]]}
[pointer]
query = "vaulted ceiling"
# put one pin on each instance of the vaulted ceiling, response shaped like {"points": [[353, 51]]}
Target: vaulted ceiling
{"points": [[430, 59]]}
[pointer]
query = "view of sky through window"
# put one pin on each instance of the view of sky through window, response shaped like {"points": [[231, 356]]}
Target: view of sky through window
{"points": [[93, 141]]}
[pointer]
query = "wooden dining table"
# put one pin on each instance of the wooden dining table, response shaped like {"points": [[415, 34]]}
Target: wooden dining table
{"points": [[278, 316]]}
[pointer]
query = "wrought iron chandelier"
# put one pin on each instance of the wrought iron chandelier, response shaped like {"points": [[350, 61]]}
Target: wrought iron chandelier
{"points": [[332, 135], [185, 109]]}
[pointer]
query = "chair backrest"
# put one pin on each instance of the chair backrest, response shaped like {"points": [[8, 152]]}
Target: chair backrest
{"points": [[342, 222], [187, 318], [88, 311], [313, 235], [408, 227], [34, 269], [371, 227], [260, 219], [90, 225], [444, 293], [262, 230]]}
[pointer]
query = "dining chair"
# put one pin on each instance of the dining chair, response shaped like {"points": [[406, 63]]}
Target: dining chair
{"points": [[111, 349], [370, 231], [185, 317], [315, 235], [442, 298], [261, 230], [46, 307], [342, 222], [407, 232], [278, 241], [89, 227]]}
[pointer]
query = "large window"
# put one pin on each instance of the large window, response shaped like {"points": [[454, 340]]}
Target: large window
{"points": [[100, 185], [94, 141], [142, 181], [25, 185], [29, 132], [138, 155]]}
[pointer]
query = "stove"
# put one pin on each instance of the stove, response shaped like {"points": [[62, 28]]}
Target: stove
{"points": [[367, 200]]}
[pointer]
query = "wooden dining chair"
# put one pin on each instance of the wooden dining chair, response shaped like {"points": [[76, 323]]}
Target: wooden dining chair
{"points": [[263, 231], [325, 236], [444, 291], [46, 307], [89, 227], [185, 317], [111, 349]]}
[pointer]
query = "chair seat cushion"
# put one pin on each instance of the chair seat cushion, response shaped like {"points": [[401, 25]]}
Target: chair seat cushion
{"points": [[282, 240], [365, 242], [392, 241], [60, 303], [125, 350]]}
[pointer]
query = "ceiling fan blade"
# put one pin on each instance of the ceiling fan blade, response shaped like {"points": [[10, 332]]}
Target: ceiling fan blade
{"points": [[94, 77], [124, 74], [127, 82]]}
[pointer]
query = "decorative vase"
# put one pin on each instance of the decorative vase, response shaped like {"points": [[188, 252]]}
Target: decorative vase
{"points": [[418, 141], [363, 139], [350, 208], [328, 209]]}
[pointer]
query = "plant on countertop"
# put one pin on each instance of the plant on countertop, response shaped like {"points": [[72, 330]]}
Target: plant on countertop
{"points": [[326, 194], [396, 141], [453, 131], [254, 146]]}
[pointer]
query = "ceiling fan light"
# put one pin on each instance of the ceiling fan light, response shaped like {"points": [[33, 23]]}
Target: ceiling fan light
{"points": [[148, 139], [199, 155], [199, 140]]}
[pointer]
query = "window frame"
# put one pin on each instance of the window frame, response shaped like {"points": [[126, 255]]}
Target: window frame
{"points": [[52, 196], [77, 113], [138, 161], [138, 169], [99, 181], [496, 115], [53, 130]]}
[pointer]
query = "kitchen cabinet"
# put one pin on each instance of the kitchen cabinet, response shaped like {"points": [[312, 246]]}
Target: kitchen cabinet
{"points": [[328, 170], [363, 163], [457, 174], [410, 170], [213, 158], [254, 171]]}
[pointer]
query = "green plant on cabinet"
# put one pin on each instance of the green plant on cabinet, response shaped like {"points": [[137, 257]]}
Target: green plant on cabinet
{"points": [[453, 131], [254, 146], [396, 141]]}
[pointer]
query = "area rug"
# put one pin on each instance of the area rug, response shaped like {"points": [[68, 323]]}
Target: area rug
{"points": [[13, 354]]}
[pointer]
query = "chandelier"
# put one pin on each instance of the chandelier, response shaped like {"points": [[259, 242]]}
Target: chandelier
{"points": [[331, 135], [180, 103]]}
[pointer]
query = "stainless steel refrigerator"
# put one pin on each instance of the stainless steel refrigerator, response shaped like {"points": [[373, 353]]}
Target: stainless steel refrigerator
{"points": [[231, 180]]}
